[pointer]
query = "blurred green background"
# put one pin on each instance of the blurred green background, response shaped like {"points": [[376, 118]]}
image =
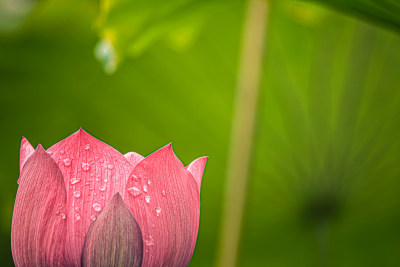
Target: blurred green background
{"points": [[324, 184]]}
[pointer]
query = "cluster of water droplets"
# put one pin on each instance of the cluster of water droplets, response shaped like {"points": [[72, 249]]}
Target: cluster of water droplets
{"points": [[60, 212], [87, 170]]}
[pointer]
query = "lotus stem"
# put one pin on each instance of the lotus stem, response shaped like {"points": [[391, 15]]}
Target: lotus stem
{"points": [[242, 131]]}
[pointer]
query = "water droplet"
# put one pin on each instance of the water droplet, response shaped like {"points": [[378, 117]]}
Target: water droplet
{"points": [[77, 216], [149, 241], [153, 226], [67, 162], [133, 191], [57, 212], [97, 207], [134, 177], [149, 182], [145, 188], [75, 180], [50, 152], [63, 216], [105, 180], [62, 151], [77, 209], [77, 193], [102, 188], [87, 146], [147, 199], [85, 166], [92, 218], [158, 210], [163, 193], [110, 167]]}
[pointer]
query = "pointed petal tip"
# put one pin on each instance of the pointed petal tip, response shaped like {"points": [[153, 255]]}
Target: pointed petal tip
{"points": [[81, 131], [169, 146], [117, 196], [40, 148], [25, 151], [196, 168]]}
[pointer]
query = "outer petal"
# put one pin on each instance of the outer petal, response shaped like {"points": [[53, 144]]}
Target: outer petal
{"points": [[26, 151], [196, 168], [39, 220], [114, 239], [164, 199], [94, 172], [134, 158]]}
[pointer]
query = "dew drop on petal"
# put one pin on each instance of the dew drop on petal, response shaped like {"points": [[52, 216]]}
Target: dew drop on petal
{"points": [[149, 182], [85, 166], [134, 177], [77, 193], [158, 210], [63, 216], [102, 188], [105, 180], [110, 167], [145, 188], [87, 146], [101, 160], [147, 199], [62, 152], [67, 162], [149, 241], [133, 191], [92, 218], [74, 180], [77, 209], [97, 207], [77, 216], [163, 193]]}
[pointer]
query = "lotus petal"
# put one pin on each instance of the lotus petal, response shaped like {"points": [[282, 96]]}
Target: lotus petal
{"points": [[134, 158], [114, 239], [39, 219], [196, 168], [163, 197], [94, 172], [26, 151]]}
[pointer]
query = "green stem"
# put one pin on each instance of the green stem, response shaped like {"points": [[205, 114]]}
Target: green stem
{"points": [[242, 131]]}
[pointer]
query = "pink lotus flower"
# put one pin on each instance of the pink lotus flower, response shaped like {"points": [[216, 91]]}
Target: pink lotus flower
{"points": [[83, 203]]}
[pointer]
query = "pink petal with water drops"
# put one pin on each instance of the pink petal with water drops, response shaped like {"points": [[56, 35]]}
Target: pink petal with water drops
{"points": [[167, 208], [114, 239], [93, 172], [39, 219], [134, 158], [196, 168], [25, 152]]}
